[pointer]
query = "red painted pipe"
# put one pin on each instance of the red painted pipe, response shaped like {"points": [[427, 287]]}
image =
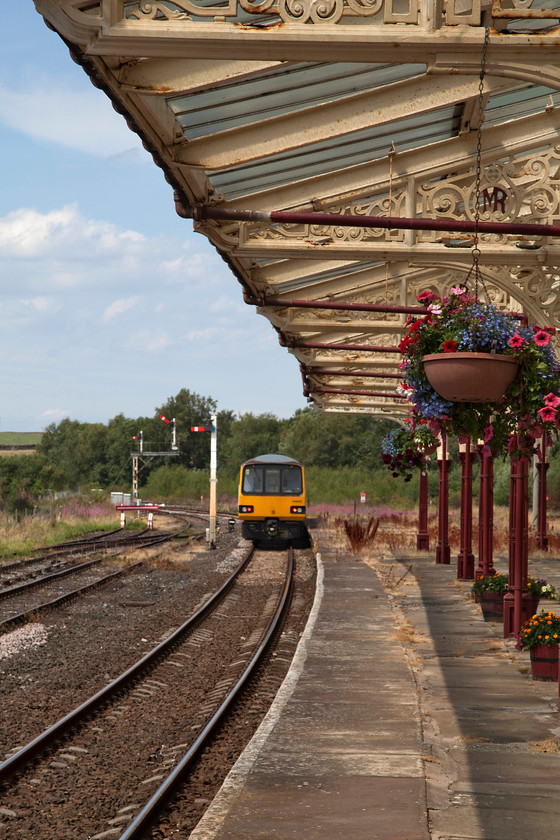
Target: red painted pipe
{"points": [[393, 396], [344, 306], [348, 220], [317, 345], [443, 550], [423, 536], [465, 559], [352, 374], [333, 304], [485, 515], [542, 468]]}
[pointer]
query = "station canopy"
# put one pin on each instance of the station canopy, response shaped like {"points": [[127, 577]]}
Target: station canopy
{"points": [[338, 111]]}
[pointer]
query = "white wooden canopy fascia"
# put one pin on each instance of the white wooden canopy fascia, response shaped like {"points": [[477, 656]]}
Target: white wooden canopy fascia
{"points": [[156, 60]]}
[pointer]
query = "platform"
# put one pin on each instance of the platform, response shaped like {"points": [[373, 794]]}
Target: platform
{"points": [[405, 716]]}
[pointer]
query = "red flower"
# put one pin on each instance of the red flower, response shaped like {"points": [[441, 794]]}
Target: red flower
{"points": [[415, 326], [547, 414], [403, 345], [426, 297], [449, 346], [516, 341], [541, 338]]}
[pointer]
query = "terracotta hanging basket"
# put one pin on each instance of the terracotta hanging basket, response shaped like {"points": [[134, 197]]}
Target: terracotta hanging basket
{"points": [[470, 377]]}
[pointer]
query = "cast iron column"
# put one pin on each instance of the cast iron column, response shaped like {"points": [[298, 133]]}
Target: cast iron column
{"points": [[485, 515], [542, 468], [465, 559], [517, 603], [422, 537], [443, 552]]}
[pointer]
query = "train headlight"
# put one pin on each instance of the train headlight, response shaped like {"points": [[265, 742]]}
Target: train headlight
{"points": [[246, 508], [271, 527], [297, 509]]}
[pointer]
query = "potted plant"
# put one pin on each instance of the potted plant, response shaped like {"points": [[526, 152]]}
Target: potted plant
{"points": [[539, 589], [540, 635], [489, 591], [459, 328], [406, 448]]}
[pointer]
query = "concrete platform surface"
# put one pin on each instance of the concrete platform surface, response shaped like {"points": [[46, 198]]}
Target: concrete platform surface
{"points": [[405, 716]]}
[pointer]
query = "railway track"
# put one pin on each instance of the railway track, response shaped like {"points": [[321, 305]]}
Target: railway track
{"points": [[159, 699], [20, 602]]}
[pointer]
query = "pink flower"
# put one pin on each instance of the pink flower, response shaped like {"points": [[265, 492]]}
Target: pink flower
{"points": [[547, 414], [486, 451], [516, 341], [434, 308], [552, 399], [541, 338], [488, 433], [512, 444], [457, 290]]}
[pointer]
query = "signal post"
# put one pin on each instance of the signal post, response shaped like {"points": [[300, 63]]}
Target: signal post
{"points": [[213, 477]]}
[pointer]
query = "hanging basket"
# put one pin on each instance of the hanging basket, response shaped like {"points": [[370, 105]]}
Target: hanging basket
{"points": [[470, 377]]}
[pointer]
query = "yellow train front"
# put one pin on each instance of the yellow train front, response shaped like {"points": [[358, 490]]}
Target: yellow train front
{"points": [[272, 501]]}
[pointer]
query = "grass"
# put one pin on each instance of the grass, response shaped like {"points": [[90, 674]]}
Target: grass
{"points": [[20, 438], [21, 535]]}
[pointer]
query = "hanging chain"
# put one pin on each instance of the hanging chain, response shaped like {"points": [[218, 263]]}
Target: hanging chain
{"points": [[476, 250]]}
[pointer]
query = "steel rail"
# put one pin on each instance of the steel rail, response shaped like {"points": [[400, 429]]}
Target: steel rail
{"points": [[149, 812], [77, 543], [21, 618], [21, 587], [42, 741]]}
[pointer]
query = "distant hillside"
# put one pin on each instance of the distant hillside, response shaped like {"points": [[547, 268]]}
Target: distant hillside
{"points": [[19, 441]]}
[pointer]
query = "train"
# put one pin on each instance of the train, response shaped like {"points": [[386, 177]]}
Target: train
{"points": [[272, 501]]}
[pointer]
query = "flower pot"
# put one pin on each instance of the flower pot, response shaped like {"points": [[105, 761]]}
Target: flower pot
{"points": [[544, 662], [428, 450], [492, 605], [470, 377]]}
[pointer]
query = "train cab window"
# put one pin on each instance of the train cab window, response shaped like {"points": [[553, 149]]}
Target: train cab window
{"points": [[272, 481], [252, 480], [291, 481]]}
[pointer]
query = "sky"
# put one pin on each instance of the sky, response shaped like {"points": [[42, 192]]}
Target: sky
{"points": [[109, 303]]}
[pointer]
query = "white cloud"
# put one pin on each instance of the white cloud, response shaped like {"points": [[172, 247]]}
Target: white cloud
{"points": [[118, 307], [80, 118], [143, 340], [53, 415], [28, 233]]}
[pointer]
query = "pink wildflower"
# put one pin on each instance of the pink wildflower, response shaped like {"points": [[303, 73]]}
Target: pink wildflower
{"points": [[547, 414]]}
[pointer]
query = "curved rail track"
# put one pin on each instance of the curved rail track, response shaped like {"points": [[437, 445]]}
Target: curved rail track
{"points": [[54, 591], [141, 687]]}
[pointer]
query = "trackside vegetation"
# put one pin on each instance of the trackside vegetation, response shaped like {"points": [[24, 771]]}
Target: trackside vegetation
{"points": [[342, 454]]}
